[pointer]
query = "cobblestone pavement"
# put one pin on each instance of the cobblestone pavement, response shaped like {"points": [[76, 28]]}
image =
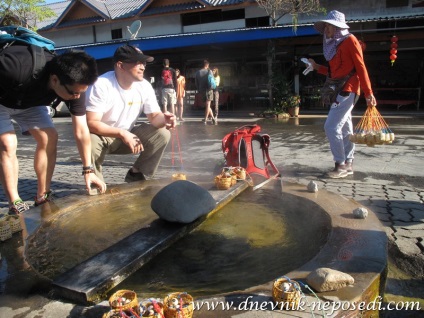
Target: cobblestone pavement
{"points": [[388, 179]]}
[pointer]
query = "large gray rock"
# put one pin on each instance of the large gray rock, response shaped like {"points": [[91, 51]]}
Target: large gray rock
{"points": [[182, 201], [326, 279]]}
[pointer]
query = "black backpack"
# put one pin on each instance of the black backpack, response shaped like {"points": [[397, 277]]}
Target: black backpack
{"points": [[38, 45]]}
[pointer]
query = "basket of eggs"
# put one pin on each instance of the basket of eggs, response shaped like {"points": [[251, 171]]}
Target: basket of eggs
{"points": [[124, 301], [372, 130], [179, 176], [286, 293], [152, 309], [223, 181], [178, 305]]}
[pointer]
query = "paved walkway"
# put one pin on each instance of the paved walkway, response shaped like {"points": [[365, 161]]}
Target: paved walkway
{"points": [[388, 179]]}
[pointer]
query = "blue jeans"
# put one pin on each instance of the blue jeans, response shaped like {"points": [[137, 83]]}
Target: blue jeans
{"points": [[338, 127]]}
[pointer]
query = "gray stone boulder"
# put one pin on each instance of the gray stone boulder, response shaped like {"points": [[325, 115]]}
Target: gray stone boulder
{"points": [[182, 202]]}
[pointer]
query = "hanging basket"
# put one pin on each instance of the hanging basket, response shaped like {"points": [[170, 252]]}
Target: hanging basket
{"points": [[372, 130], [178, 305], [124, 300], [286, 293]]}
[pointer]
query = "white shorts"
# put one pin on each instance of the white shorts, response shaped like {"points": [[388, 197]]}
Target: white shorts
{"points": [[36, 117]]}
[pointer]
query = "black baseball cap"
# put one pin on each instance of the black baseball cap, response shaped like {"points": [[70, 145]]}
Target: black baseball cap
{"points": [[131, 54]]}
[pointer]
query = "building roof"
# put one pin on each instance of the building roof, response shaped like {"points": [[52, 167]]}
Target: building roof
{"points": [[121, 9]]}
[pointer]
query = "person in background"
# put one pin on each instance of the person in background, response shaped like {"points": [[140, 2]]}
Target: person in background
{"points": [[343, 52], [180, 94], [114, 103], [64, 77], [205, 92], [216, 94], [169, 83]]}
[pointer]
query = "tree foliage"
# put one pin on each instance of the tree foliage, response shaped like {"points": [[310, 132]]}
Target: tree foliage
{"points": [[276, 9], [26, 13]]}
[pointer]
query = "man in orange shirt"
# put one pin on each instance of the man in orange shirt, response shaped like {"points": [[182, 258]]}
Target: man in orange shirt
{"points": [[343, 52]]}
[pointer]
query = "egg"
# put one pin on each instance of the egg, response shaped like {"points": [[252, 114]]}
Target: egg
{"points": [[286, 286], [174, 302]]}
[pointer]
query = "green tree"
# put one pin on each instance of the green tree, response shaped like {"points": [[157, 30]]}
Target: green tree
{"points": [[26, 13], [276, 9]]}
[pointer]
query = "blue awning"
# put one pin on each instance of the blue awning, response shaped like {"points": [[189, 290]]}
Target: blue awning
{"points": [[106, 49]]}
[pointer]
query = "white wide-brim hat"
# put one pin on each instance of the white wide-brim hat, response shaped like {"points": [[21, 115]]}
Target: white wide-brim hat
{"points": [[335, 18]]}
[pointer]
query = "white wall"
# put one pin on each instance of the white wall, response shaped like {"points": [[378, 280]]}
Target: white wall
{"points": [[83, 35], [169, 24]]}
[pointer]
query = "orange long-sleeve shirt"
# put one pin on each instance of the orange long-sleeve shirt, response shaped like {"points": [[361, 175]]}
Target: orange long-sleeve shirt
{"points": [[348, 57]]}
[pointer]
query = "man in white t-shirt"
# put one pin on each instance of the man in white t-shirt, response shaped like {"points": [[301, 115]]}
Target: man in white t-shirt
{"points": [[114, 103]]}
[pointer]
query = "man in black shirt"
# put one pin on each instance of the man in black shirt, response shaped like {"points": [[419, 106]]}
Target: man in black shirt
{"points": [[23, 98]]}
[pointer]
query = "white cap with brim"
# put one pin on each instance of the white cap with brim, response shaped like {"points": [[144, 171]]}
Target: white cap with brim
{"points": [[335, 18]]}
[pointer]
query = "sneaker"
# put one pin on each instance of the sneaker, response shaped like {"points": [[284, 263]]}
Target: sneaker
{"points": [[18, 207], [47, 197], [204, 121], [216, 120], [213, 120], [134, 176], [349, 167], [338, 172]]}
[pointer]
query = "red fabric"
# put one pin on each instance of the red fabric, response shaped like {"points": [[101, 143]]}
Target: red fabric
{"points": [[349, 56]]}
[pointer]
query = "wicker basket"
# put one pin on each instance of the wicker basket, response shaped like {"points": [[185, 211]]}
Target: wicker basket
{"points": [[286, 299], [124, 300], [240, 172], [112, 314], [5, 231], [14, 223], [223, 182], [179, 176], [184, 311], [233, 179], [155, 313]]}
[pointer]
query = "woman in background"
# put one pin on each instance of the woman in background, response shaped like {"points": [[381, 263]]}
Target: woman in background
{"points": [[216, 94], [180, 94]]}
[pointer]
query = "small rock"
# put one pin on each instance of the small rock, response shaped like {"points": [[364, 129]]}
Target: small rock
{"points": [[360, 213], [312, 186], [326, 279]]}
